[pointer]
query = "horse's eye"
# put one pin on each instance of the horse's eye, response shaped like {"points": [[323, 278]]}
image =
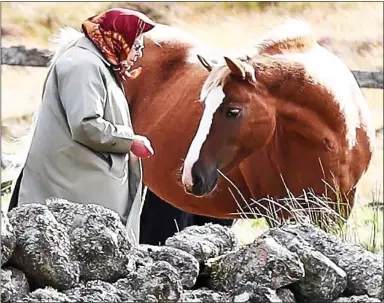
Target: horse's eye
{"points": [[233, 112]]}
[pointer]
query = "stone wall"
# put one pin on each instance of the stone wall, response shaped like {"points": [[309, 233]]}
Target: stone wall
{"points": [[67, 252]]}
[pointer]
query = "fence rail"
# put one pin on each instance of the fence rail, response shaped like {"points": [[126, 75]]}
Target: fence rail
{"points": [[22, 56]]}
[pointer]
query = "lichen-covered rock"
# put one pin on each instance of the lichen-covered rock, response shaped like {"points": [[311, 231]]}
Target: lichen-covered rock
{"points": [[286, 295], [186, 264], [157, 282], [100, 241], [14, 285], [204, 242], [203, 295], [364, 269], [97, 291], [324, 280], [254, 293], [43, 249], [357, 299], [8, 239], [263, 262], [48, 295]]}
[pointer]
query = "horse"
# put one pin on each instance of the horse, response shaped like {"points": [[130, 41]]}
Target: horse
{"points": [[280, 118], [286, 115]]}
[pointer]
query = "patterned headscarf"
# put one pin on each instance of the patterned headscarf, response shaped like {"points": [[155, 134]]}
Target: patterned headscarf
{"points": [[114, 33]]}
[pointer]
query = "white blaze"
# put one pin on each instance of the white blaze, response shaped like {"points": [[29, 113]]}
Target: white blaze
{"points": [[214, 98]]}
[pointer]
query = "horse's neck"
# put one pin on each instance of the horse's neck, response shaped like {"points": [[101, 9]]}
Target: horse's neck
{"points": [[318, 96], [165, 63], [313, 85]]}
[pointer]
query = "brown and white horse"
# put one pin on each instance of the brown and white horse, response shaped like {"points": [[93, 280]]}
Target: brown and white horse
{"points": [[287, 115]]}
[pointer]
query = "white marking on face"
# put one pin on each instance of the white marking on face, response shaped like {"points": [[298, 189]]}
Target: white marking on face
{"points": [[214, 99]]}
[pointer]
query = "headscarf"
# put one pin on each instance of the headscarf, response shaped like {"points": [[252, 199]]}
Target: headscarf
{"points": [[114, 33]]}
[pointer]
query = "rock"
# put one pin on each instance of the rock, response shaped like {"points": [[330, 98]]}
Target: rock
{"points": [[100, 241], [14, 285], [204, 242], [263, 262], [43, 250], [254, 293], [251, 292], [159, 281], [286, 295], [323, 281], [8, 239], [357, 299], [48, 295], [186, 264], [364, 269], [97, 291], [203, 295], [12, 30]]}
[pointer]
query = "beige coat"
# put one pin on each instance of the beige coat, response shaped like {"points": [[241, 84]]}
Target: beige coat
{"points": [[80, 148]]}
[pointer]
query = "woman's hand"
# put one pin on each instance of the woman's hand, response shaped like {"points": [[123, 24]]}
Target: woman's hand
{"points": [[141, 147]]}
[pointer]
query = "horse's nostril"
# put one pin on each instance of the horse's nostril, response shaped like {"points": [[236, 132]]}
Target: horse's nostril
{"points": [[188, 189], [197, 179], [203, 179]]}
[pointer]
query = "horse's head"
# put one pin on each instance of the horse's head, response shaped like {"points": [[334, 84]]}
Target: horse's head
{"points": [[238, 117], [290, 79]]}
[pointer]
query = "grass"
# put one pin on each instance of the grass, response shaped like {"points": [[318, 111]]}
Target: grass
{"points": [[354, 31], [364, 226]]}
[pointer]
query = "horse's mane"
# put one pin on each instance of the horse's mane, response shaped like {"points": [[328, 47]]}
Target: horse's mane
{"points": [[65, 38], [217, 77], [292, 36]]}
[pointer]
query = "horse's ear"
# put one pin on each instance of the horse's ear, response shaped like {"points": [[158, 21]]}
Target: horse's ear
{"points": [[205, 63], [236, 67], [241, 69]]}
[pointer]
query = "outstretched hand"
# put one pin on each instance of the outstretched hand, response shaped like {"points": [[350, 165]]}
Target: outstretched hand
{"points": [[141, 147]]}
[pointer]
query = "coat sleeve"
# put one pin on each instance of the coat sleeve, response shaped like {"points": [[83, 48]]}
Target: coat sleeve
{"points": [[83, 95]]}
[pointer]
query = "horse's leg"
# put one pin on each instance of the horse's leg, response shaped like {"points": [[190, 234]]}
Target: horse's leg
{"points": [[160, 220], [15, 193]]}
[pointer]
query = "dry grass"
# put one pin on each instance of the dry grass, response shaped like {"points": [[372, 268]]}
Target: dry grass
{"points": [[355, 32], [364, 226]]}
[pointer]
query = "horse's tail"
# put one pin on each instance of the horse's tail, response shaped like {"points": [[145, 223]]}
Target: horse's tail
{"points": [[62, 41]]}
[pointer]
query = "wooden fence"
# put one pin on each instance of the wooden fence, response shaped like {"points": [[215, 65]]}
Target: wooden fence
{"points": [[22, 56]]}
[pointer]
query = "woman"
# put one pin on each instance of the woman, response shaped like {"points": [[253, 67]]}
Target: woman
{"points": [[84, 148]]}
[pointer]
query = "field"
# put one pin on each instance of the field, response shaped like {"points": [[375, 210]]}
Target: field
{"points": [[352, 30]]}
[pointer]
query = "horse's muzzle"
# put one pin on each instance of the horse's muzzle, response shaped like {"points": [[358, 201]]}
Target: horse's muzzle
{"points": [[204, 181]]}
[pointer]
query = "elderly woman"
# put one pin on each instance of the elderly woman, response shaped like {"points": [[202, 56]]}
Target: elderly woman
{"points": [[84, 148]]}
